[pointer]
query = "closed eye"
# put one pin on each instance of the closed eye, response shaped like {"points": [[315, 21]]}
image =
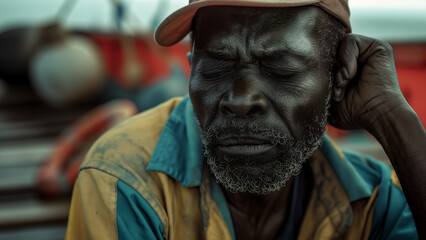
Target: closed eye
{"points": [[212, 75], [212, 69], [278, 73]]}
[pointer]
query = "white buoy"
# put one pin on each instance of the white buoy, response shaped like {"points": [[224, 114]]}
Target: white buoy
{"points": [[67, 72]]}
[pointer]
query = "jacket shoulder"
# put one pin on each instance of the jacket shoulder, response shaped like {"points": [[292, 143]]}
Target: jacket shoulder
{"points": [[134, 139], [125, 150], [392, 216]]}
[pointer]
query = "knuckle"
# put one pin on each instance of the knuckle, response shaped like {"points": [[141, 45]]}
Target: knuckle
{"points": [[384, 47]]}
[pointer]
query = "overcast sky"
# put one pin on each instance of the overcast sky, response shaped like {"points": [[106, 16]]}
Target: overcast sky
{"points": [[392, 20]]}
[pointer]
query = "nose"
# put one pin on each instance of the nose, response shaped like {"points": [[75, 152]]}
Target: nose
{"points": [[243, 102]]}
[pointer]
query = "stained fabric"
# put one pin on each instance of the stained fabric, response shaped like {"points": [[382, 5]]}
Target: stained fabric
{"points": [[135, 217], [158, 154]]}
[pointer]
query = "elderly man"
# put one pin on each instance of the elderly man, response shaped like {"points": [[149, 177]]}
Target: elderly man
{"points": [[245, 155]]}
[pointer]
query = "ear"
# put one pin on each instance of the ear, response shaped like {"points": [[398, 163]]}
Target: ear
{"points": [[189, 56]]}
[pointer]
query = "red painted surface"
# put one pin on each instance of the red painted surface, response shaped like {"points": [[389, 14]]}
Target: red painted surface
{"points": [[152, 57], [412, 81], [410, 62]]}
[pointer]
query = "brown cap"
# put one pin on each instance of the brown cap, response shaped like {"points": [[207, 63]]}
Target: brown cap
{"points": [[178, 24]]}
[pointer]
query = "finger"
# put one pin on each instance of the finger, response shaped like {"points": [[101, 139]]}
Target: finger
{"points": [[356, 51], [369, 47], [377, 54]]}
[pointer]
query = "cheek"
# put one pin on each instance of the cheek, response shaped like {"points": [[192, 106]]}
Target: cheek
{"points": [[313, 104], [300, 105], [204, 99]]}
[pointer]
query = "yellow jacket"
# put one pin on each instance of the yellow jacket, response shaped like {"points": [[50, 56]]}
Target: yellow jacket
{"points": [[146, 179]]}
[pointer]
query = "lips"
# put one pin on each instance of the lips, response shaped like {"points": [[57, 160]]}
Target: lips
{"points": [[244, 145]]}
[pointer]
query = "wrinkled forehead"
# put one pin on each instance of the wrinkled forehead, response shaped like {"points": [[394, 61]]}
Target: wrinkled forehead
{"points": [[230, 26]]}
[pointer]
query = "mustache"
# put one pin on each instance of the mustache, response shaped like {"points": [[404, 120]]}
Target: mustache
{"points": [[244, 128]]}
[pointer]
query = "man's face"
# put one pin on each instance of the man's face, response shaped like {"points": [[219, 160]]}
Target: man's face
{"points": [[260, 91]]}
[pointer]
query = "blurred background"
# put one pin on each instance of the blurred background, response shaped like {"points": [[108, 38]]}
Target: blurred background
{"points": [[71, 69]]}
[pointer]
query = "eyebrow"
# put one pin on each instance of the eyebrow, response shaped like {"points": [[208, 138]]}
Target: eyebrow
{"points": [[224, 52], [227, 52], [281, 53]]}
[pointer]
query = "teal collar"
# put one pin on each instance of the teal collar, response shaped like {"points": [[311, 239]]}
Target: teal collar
{"points": [[179, 154], [353, 182], [179, 151]]}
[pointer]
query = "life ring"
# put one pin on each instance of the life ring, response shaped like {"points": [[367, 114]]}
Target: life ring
{"points": [[59, 172]]}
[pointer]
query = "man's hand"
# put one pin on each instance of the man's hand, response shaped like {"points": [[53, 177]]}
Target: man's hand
{"points": [[366, 95], [366, 85]]}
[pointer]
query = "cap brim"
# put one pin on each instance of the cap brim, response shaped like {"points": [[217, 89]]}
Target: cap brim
{"points": [[178, 24]]}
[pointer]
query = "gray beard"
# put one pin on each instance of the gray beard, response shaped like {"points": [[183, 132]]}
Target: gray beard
{"points": [[237, 174]]}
